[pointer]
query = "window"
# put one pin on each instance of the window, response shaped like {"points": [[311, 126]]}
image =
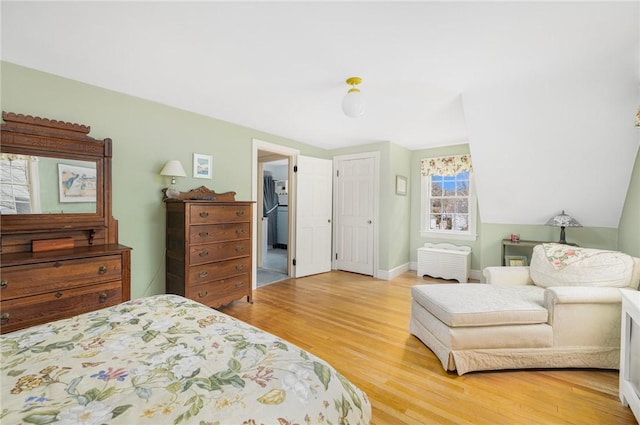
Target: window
{"points": [[19, 178], [448, 198]]}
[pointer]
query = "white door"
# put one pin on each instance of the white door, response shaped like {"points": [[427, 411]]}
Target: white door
{"points": [[355, 198], [313, 218]]}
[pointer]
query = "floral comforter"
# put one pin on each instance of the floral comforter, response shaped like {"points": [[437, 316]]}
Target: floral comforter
{"points": [[168, 360]]}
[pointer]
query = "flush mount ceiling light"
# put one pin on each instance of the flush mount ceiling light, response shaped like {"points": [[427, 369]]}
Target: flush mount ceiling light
{"points": [[353, 104]]}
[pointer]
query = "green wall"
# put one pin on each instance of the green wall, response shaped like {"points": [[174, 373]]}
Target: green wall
{"points": [[629, 230], [145, 135]]}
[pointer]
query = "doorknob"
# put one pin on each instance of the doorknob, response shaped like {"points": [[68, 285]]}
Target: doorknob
{"points": [[369, 221]]}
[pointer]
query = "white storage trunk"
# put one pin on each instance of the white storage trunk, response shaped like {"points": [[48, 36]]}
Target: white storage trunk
{"points": [[445, 260]]}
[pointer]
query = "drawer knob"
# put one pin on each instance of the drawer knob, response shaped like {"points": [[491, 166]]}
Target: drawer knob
{"points": [[3, 284], [239, 284], [239, 248], [102, 269], [203, 234], [203, 274], [58, 294], [202, 294], [102, 297], [203, 253], [204, 214], [239, 231], [4, 318], [240, 213], [240, 267], [57, 264]]}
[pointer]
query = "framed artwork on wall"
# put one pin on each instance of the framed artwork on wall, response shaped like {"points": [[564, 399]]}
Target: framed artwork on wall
{"points": [[77, 184], [202, 166], [401, 185]]}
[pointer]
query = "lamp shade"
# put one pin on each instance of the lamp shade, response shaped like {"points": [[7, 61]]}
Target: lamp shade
{"points": [[173, 168], [353, 104]]}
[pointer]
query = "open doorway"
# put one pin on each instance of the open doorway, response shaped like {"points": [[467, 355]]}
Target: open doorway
{"points": [[274, 240]]}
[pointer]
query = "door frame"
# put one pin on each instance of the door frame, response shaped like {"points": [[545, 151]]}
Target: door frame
{"points": [[292, 154], [376, 205]]}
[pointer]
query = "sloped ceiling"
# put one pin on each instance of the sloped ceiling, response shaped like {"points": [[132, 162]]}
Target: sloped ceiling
{"points": [[544, 92]]}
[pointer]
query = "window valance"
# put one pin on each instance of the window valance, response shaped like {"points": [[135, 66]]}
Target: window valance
{"points": [[446, 165]]}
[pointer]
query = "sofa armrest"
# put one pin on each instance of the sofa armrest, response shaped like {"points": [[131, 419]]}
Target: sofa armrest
{"points": [[502, 275], [581, 295], [584, 316]]}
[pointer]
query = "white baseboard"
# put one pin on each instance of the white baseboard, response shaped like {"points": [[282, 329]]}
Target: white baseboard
{"points": [[393, 273]]}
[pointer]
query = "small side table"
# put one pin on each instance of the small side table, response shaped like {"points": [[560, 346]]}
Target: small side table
{"points": [[506, 243], [629, 351]]}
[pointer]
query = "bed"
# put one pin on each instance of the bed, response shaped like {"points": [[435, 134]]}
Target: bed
{"points": [[166, 359]]}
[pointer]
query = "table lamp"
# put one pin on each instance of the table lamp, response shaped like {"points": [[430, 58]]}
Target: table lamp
{"points": [[563, 220], [173, 169]]}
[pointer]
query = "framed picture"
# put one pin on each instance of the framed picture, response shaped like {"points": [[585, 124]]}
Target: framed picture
{"points": [[515, 260], [202, 165], [401, 185], [77, 184]]}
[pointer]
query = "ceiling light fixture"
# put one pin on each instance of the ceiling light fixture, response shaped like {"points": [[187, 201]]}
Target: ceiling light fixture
{"points": [[353, 104]]}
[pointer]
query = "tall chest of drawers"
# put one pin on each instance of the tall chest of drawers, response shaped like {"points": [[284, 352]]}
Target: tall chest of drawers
{"points": [[209, 250]]}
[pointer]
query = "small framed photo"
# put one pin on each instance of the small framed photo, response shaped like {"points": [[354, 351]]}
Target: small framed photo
{"points": [[401, 185], [515, 260], [202, 165]]}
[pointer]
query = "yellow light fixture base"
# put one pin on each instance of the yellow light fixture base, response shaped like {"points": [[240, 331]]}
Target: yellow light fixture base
{"points": [[354, 81]]}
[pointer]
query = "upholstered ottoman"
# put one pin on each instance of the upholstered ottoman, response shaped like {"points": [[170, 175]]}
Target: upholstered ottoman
{"points": [[454, 319]]}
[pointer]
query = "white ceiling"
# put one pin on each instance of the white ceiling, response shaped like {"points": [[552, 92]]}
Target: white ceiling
{"points": [[514, 79]]}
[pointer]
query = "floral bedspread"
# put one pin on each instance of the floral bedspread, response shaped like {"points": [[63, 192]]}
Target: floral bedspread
{"points": [[168, 360]]}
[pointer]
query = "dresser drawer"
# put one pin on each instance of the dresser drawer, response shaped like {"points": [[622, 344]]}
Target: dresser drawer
{"points": [[217, 271], [214, 214], [222, 291], [200, 254], [28, 311], [18, 281], [219, 232]]}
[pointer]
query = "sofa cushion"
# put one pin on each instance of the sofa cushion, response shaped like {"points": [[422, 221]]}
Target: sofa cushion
{"points": [[481, 304], [564, 265]]}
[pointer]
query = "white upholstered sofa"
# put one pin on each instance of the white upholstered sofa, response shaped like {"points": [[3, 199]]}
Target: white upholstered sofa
{"points": [[562, 311]]}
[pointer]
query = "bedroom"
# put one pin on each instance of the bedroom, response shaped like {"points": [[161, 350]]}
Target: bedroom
{"points": [[147, 133]]}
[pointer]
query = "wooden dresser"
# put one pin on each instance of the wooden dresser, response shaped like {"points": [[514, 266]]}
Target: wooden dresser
{"points": [[60, 256], [209, 247]]}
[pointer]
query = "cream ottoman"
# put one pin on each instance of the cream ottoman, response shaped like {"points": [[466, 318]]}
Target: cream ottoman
{"points": [[452, 319]]}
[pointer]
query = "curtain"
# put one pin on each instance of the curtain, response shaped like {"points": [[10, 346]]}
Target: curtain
{"points": [[446, 165], [270, 207]]}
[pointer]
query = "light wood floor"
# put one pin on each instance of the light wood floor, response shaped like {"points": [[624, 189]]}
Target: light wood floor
{"points": [[359, 325]]}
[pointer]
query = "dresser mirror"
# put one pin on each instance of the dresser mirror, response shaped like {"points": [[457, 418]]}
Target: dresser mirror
{"points": [[54, 176]]}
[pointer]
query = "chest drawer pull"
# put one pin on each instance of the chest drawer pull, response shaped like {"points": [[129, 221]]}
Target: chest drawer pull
{"points": [[203, 273], [204, 214], [239, 248], [58, 294], [4, 318], [57, 264], [239, 266], [3, 284], [203, 234], [102, 269], [240, 213], [102, 297], [239, 231], [203, 294], [203, 253], [239, 284]]}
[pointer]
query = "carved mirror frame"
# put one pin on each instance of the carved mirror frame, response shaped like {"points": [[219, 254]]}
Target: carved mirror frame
{"points": [[28, 135]]}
